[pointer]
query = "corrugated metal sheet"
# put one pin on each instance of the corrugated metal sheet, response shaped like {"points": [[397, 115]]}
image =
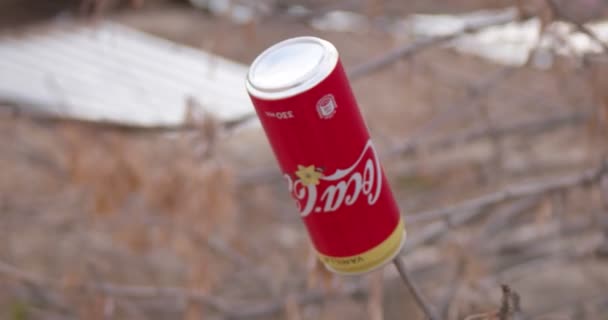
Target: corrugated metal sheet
{"points": [[109, 72]]}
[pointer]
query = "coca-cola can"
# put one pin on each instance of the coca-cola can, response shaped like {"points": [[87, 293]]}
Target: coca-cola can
{"points": [[307, 109]]}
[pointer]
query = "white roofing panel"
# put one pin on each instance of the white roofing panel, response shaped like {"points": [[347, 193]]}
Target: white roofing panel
{"points": [[109, 72]]}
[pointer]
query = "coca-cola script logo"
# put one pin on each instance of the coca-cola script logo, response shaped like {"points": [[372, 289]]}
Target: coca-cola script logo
{"points": [[316, 192]]}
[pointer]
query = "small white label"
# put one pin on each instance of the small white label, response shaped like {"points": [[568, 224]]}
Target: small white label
{"points": [[326, 106], [280, 115]]}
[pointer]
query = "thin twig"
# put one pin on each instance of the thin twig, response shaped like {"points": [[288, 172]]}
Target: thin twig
{"points": [[262, 276], [121, 290], [510, 308], [157, 292], [527, 236], [267, 309], [581, 27], [334, 5], [45, 118], [418, 46], [502, 219], [457, 215], [514, 192], [600, 299], [428, 310], [539, 259], [482, 89], [453, 287], [523, 127], [376, 295], [505, 304], [21, 275]]}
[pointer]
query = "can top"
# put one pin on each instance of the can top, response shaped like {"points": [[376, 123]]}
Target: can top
{"points": [[291, 67]]}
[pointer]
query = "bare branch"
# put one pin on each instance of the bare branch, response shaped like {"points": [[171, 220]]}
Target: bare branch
{"points": [[453, 287], [314, 12], [528, 236], [121, 290], [265, 310], [600, 299], [482, 89], [539, 258], [501, 220], [423, 304], [524, 127], [505, 304], [418, 46], [512, 192], [510, 308], [555, 8], [458, 215], [158, 292], [21, 275], [245, 263], [376, 295], [43, 118]]}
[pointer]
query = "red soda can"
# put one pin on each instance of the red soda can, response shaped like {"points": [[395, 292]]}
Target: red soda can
{"points": [[307, 109]]}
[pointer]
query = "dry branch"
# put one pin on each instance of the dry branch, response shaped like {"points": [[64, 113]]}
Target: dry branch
{"points": [[510, 308], [540, 258], [243, 262], [502, 219], [454, 286], [422, 302], [418, 46], [438, 229], [512, 192], [480, 90], [120, 290], [228, 310], [524, 127], [458, 215], [528, 236], [187, 126], [555, 8], [334, 5], [376, 296], [578, 299], [267, 309]]}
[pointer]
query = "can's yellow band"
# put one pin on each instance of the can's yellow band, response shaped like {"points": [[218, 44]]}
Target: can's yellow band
{"points": [[370, 259]]}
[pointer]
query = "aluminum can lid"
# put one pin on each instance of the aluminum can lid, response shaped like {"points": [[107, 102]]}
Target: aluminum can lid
{"points": [[291, 67]]}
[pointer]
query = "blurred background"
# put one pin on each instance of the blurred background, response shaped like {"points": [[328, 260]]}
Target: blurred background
{"points": [[135, 182]]}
